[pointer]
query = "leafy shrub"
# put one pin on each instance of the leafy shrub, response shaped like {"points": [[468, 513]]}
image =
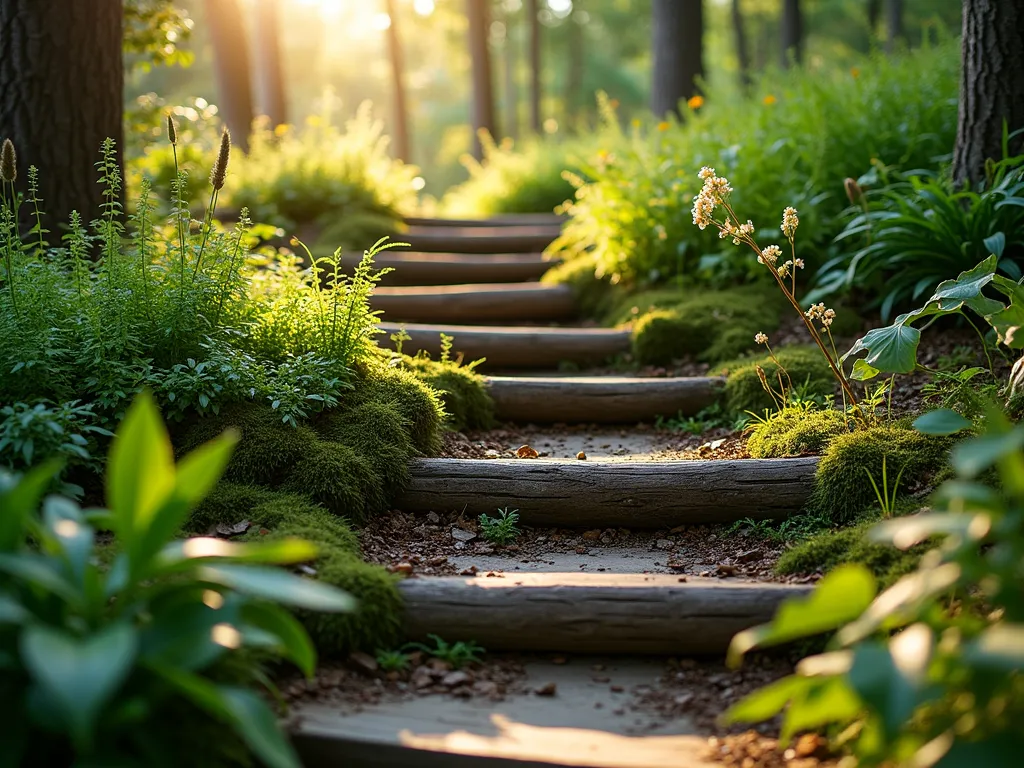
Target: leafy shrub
{"points": [[810, 374], [917, 230], [123, 665], [523, 179], [793, 149], [67, 431], [796, 430], [928, 671], [463, 392]]}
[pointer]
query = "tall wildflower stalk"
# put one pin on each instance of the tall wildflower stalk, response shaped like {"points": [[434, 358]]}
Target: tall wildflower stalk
{"points": [[9, 211], [37, 210], [217, 178], [818, 319]]}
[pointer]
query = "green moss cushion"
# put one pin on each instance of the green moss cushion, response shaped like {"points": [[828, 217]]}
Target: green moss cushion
{"points": [[808, 371], [795, 431]]}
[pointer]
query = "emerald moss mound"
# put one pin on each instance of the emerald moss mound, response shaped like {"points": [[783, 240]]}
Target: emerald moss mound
{"points": [[710, 325], [463, 392], [842, 489], [827, 550], [806, 367], [418, 405], [794, 431]]}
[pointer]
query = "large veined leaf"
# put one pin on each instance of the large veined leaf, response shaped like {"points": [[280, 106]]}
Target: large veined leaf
{"points": [[280, 586], [892, 349]]}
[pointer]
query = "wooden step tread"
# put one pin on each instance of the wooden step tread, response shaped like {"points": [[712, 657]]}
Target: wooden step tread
{"points": [[590, 612], [414, 268], [501, 220], [613, 494], [480, 239], [599, 399], [475, 303], [518, 347]]}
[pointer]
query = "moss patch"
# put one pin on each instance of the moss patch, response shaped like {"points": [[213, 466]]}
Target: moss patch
{"points": [[806, 367], [463, 392], [417, 404], [794, 431], [842, 489], [339, 478], [376, 432]]}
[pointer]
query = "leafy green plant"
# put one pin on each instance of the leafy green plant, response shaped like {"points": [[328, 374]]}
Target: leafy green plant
{"points": [[929, 671], [457, 654], [393, 661], [886, 498], [918, 229], [28, 432], [501, 530], [114, 665]]}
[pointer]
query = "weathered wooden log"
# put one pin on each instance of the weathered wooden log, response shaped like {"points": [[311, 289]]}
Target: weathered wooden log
{"points": [[612, 494], [552, 220], [598, 399], [480, 239], [588, 612], [536, 348], [475, 303], [456, 268]]}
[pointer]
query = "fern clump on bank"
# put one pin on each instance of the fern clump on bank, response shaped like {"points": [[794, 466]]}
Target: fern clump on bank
{"points": [[807, 369], [796, 430]]}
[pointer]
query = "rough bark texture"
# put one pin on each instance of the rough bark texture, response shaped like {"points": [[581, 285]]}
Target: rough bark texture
{"points": [[991, 86], [613, 494], [678, 52], [231, 64], [508, 302], [482, 239], [599, 399], [535, 85], [739, 35], [455, 268], [61, 95], [893, 25], [534, 348], [273, 99], [792, 32], [590, 613], [400, 130], [479, 15]]}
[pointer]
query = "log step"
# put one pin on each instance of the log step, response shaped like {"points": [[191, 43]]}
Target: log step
{"points": [[589, 612], [551, 220], [598, 399], [613, 494], [456, 268], [475, 303], [480, 239], [518, 347]]}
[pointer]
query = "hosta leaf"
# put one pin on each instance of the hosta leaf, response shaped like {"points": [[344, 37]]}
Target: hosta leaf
{"points": [[892, 349], [942, 421]]}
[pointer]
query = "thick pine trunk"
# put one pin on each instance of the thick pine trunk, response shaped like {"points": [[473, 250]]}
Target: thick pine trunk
{"points": [[61, 95], [231, 64], [991, 86], [535, 87], [893, 24], [401, 117], [742, 51], [678, 52], [792, 32], [480, 55], [273, 100]]}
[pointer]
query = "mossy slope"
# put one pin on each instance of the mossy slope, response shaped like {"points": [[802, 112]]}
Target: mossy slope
{"points": [[807, 370], [795, 431]]}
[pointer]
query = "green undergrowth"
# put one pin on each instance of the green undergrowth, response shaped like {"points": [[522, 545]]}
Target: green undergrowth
{"points": [[594, 296], [463, 392], [810, 375], [796, 430]]}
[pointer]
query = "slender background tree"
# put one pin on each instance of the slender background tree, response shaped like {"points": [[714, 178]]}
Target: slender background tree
{"points": [[269, 75], [400, 130], [61, 95], [479, 15], [739, 35], [792, 32], [533, 19], [231, 64], [678, 27]]}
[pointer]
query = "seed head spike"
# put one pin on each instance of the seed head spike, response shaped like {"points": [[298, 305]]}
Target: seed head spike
{"points": [[853, 190], [220, 169], [172, 131], [8, 162]]}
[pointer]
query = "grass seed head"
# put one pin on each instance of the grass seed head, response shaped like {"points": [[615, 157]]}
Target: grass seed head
{"points": [[172, 131], [8, 162], [220, 168]]}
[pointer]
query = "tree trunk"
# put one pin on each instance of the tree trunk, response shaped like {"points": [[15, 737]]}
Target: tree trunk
{"points": [[678, 52], [792, 33], [273, 101], [742, 52], [874, 15], [511, 82], [893, 24], [991, 89], [574, 71], [401, 117], [61, 95], [480, 55], [231, 63], [535, 88]]}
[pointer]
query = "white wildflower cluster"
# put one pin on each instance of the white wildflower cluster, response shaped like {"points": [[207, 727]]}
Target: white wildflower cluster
{"points": [[736, 233], [770, 255], [761, 338], [790, 266], [715, 190], [820, 313], [790, 221]]}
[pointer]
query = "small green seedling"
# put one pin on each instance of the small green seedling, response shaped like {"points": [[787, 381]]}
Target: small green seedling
{"points": [[501, 530], [457, 654], [392, 661], [886, 500]]}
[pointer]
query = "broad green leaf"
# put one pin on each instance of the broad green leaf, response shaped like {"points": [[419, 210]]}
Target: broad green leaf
{"points": [[838, 598], [41, 572], [279, 586], [80, 674], [943, 421], [905, 532], [892, 349], [996, 244], [971, 457], [67, 525], [259, 728], [969, 284], [830, 700], [181, 633], [12, 611], [291, 635], [140, 470], [285, 551], [766, 702], [862, 371], [19, 500], [1007, 323]]}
